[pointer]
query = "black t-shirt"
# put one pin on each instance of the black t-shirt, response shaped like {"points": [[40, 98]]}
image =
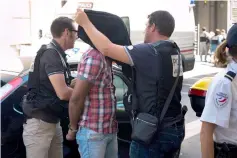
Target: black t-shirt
{"points": [[148, 65]]}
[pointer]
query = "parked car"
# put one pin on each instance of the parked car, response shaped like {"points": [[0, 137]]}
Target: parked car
{"points": [[14, 86], [197, 94]]}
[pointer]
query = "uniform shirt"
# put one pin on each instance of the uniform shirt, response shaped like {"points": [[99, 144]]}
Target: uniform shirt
{"points": [[221, 106], [148, 65], [100, 104]]}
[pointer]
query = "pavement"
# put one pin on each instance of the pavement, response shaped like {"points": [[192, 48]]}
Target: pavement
{"points": [[191, 144], [201, 68]]}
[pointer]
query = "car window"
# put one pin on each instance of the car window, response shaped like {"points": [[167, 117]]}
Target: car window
{"points": [[120, 85], [121, 88]]}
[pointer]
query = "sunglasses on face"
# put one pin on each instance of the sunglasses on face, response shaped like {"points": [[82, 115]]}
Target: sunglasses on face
{"points": [[73, 30]]}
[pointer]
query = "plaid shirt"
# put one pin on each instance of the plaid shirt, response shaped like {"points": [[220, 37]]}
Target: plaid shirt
{"points": [[100, 104]]}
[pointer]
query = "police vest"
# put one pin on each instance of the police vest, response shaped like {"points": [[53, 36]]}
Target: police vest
{"points": [[44, 106], [33, 76], [168, 51]]}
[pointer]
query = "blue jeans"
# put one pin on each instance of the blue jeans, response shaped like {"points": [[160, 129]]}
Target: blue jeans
{"points": [[96, 145], [165, 144]]}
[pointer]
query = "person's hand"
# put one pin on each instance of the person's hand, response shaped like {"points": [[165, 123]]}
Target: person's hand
{"points": [[73, 83], [81, 18], [71, 135]]}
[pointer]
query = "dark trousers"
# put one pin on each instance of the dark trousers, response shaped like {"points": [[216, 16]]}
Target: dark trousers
{"points": [[166, 144]]}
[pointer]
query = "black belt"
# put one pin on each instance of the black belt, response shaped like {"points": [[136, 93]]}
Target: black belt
{"points": [[203, 39]]}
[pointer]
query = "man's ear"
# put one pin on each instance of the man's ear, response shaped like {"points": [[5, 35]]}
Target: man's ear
{"points": [[65, 32], [153, 28]]}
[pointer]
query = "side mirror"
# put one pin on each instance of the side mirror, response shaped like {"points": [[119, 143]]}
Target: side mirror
{"points": [[127, 23]]}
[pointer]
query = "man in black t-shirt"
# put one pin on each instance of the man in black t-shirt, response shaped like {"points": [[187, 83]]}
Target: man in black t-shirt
{"points": [[155, 70], [42, 133]]}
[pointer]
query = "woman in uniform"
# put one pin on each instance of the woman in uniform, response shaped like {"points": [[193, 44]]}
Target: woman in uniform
{"points": [[219, 117]]}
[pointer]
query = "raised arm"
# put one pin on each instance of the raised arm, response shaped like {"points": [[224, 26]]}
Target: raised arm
{"points": [[101, 42]]}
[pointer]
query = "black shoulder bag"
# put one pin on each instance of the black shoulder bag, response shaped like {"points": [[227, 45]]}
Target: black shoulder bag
{"points": [[145, 125]]}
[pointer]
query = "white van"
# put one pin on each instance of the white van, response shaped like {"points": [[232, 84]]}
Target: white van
{"points": [[134, 14]]}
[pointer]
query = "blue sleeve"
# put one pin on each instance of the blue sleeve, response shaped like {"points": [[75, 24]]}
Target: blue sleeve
{"points": [[138, 53]]}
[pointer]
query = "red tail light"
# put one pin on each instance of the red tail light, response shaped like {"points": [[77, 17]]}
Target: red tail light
{"points": [[9, 88], [197, 92]]}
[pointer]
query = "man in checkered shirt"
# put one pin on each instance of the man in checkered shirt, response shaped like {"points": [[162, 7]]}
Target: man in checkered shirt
{"points": [[93, 105]]}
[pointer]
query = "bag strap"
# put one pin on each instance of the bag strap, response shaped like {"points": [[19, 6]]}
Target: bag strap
{"points": [[134, 93], [54, 48]]}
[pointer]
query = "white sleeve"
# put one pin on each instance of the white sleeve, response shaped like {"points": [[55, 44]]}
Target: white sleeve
{"points": [[218, 103]]}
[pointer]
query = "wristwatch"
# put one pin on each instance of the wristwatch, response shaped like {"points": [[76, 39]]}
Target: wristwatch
{"points": [[73, 130]]}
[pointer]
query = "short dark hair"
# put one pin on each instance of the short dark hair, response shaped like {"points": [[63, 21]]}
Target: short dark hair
{"points": [[204, 29], [163, 21], [59, 25]]}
